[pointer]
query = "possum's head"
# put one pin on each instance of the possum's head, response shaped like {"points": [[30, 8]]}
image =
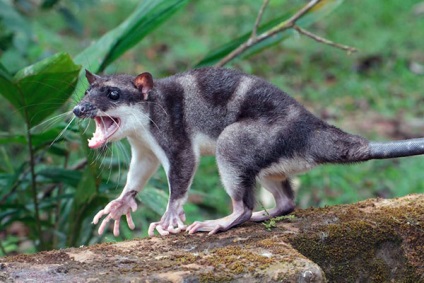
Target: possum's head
{"points": [[114, 102]]}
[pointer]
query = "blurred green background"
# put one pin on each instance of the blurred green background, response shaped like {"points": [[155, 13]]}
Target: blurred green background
{"points": [[49, 193]]}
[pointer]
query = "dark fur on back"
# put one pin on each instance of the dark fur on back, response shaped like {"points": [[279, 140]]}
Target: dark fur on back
{"points": [[257, 132], [297, 132]]}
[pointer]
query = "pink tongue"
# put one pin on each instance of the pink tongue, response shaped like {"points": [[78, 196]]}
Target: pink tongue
{"points": [[98, 138], [105, 128]]}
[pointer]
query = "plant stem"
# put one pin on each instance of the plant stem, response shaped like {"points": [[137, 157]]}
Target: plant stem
{"points": [[259, 18], [58, 208], [34, 188]]}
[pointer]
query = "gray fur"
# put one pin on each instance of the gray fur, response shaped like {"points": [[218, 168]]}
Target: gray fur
{"points": [[256, 130]]}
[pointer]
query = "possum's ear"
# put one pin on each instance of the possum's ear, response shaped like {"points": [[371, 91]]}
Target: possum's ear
{"points": [[91, 78], [144, 83]]}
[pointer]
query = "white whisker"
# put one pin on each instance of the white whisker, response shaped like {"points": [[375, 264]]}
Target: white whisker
{"points": [[102, 156], [110, 164], [47, 124], [86, 127], [119, 145], [63, 131]]}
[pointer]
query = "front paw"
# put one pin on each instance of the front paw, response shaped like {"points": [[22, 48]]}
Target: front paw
{"points": [[170, 223], [114, 210]]}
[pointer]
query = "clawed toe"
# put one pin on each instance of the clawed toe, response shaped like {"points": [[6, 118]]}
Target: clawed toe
{"points": [[162, 231], [156, 226], [206, 226], [220, 225], [166, 230], [211, 226]]}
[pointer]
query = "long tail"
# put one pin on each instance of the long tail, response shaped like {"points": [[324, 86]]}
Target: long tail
{"points": [[393, 149]]}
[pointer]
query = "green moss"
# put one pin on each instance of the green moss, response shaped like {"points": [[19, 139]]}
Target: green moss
{"points": [[230, 261], [349, 243], [267, 243], [186, 258], [381, 272], [214, 277]]}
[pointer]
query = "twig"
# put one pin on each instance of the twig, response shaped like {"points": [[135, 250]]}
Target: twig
{"points": [[258, 19], [290, 22], [315, 37], [256, 39]]}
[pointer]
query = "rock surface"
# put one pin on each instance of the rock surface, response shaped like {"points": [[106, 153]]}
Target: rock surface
{"points": [[371, 241]]}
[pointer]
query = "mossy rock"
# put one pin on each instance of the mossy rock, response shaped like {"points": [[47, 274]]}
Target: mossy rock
{"points": [[371, 241]]}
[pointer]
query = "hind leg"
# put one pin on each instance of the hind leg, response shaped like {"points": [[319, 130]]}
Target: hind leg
{"points": [[282, 191], [241, 190], [239, 183]]}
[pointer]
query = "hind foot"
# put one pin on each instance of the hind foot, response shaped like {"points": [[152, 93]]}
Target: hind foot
{"points": [[222, 224]]}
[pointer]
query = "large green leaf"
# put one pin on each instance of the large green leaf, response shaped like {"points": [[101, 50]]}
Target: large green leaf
{"points": [[8, 138], [38, 90], [319, 11], [146, 17], [60, 175], [8, 89], [39, 140]]}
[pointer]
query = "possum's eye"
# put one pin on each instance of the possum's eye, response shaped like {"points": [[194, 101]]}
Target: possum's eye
{"points": [[113, 94]]}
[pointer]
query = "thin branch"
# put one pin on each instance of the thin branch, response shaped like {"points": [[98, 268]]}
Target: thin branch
{"points": [[290, 22], [315, 37], [256, 39], [259, 18]]}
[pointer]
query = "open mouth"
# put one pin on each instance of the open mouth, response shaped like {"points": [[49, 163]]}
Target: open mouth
{"points": [[106, 126]]}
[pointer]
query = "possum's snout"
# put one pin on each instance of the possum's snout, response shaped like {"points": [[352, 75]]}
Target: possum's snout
{"points": [[79, 110], [84, 110]]}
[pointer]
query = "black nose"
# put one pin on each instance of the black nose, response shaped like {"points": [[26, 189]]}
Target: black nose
{"points": [[79, 110]]}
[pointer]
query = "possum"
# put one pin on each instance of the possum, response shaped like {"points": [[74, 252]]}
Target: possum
{"points": [[257, 132]]}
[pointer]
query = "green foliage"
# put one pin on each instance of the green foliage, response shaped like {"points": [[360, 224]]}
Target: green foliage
{"points": [[26, 91], [146, 17]]}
